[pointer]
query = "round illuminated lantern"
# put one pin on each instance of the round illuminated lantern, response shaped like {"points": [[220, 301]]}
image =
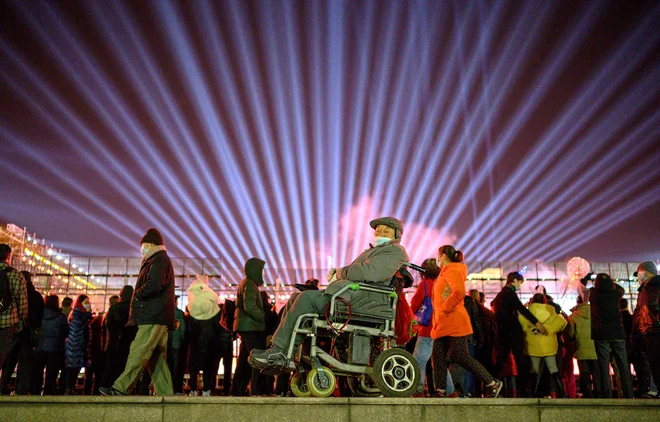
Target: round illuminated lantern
{"points": [[578, 267]]}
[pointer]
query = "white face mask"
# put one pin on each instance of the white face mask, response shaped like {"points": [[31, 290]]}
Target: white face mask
{"points": [[641, 277], [379, 240], [87, 307], [143, 249]]}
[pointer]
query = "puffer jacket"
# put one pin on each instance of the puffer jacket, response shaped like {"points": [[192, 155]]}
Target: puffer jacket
{"points": [[579, 329], [541, 345], [77, 350], [646, 317], [249, 313], [606, 323], [202, 301], [53, 332], [450, 319]]}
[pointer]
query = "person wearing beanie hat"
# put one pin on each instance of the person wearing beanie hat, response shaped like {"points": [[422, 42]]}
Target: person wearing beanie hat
{"points": [[250, 325], [204, 317], [152, 310], [646, 320], [378, 264]]}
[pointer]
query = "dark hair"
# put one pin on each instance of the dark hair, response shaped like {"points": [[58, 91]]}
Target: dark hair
{"points": [[80, 299], [67, 301], [52, 302], [482, 298], [27, 276], [474, 294], [539, 298], [5, 251], [623, 303], [580, 301], [431, 269], [451, 253], [511, 277]]}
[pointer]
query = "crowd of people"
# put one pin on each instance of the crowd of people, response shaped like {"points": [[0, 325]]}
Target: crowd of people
{"points": [[463, 347]]}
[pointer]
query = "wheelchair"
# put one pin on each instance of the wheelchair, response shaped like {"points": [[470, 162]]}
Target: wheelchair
{"points": [[355, 340]]}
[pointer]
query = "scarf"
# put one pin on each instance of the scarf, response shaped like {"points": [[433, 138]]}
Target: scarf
{"points": [[151, 251]]}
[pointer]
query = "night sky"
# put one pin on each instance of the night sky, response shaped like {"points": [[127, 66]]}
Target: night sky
{"points": [[513, 130]]}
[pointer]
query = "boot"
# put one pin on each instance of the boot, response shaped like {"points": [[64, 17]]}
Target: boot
{"points": [[556, 386]]}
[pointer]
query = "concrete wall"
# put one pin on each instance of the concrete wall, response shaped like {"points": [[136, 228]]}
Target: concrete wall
{"points": [[236, 409]]}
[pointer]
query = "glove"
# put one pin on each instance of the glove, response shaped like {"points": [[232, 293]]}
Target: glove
{"points": [[332, 275]]}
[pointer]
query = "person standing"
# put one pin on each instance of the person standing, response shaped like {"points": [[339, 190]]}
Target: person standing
{"points": [[13, 309], [77, 348], [250, 326], [646, 318], [203, 331], [608, 334], [509, 334], [579, 329], [117, 343], [49, 352], [451, 323], [176, 358], [152, 311]]}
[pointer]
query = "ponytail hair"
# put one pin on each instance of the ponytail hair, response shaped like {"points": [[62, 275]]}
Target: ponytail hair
{"points": [[451, 253]]}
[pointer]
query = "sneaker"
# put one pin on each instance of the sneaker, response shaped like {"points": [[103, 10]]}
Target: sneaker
{"points": [[441, 394], [650, 395], [206, 393], [110, 391], [493, 391], [274, 356]]}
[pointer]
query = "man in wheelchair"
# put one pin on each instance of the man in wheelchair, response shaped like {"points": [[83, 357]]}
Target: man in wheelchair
{"points": [[377, 265]]}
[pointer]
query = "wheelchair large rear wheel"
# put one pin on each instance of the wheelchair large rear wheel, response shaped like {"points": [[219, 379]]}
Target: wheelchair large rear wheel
{"points": [[299, 385], [396, 373], [321, 384]]}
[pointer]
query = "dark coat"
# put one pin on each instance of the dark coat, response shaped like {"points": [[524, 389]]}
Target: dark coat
{"points": [[153, 299], [53, 332], [606, 323], [487, 324], [475, 320], [116, 319], [35, 307], [507, 305], [77, 348], [646, 318], [249, 314]]}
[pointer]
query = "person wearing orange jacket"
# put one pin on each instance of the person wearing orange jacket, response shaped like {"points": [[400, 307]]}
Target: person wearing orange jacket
{"points": [[451, 323]]}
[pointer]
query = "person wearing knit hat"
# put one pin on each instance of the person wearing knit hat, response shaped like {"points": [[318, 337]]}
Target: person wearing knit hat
{"points": [[378, 264], [152, 310], [204, 317]]}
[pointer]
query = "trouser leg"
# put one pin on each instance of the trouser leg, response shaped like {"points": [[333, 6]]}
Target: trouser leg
{"points": [[604, 384], [310, 301], [621, 359], [147, 340], [422, 353], [439, 360]]}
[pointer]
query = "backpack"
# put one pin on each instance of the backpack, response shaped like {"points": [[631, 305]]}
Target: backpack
{"points": [[5, 291], [425, 312], [227, 315]]}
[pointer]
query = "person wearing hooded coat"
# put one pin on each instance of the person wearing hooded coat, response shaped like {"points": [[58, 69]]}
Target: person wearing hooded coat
{"points": [[579, 330], [543, 347], [203, 330], [377, 264], [118, 337], [250, 326], [77, 351]]}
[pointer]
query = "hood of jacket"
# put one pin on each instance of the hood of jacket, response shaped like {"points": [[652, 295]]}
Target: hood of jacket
{"points": [[254, 268], [582, 311], [49, 314], [126, 294], [605, 283], [542, 311], [202, 301]]}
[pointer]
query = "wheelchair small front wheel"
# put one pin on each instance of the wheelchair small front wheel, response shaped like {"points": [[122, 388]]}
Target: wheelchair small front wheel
{"points": [[321, 384], [299, 385], [397, 373]]}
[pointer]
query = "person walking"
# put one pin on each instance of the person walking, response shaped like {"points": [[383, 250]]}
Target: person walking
{"points": [[451, 323], [152, 311]]}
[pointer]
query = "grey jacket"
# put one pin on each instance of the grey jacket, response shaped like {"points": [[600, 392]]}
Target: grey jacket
{"points": [[377, 264]]}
